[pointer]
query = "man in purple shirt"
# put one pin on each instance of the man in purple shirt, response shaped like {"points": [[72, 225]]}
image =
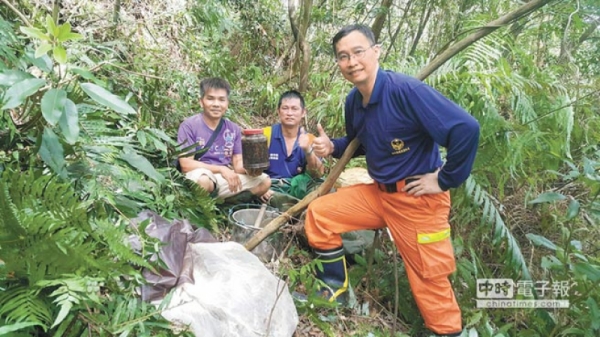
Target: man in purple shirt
{"points": [[220, 171], [400, 122]]}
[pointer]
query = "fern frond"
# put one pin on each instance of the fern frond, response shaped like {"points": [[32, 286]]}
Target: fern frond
{"points": [[501, 233], [10, 227], [20, 304], [116, 243]]}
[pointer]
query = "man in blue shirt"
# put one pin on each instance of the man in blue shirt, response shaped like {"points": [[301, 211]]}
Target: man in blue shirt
{"points": [[400, 122], [290, 147]]}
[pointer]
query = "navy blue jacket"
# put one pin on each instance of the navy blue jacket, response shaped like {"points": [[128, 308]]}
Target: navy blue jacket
{"points": [[401, 127]]}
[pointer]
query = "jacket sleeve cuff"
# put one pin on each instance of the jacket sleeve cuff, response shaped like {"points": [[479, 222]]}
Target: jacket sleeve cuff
{"points": [[442, 185]]}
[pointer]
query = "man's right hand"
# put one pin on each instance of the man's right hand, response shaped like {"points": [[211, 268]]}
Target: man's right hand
{"points": [[233, 180], [322, 145]]}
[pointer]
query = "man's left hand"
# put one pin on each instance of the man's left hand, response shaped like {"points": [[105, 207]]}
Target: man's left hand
{"points": [[425, 184]]}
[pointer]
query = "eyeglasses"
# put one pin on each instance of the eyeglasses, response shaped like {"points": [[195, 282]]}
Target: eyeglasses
{"points": [[359, 54]]}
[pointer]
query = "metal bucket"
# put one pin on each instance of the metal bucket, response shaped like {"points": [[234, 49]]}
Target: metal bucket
{"points": [[242, 219]]}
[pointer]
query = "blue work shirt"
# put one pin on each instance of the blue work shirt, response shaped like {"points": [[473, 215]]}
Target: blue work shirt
{"points": [[400, 129], [282, 165]]}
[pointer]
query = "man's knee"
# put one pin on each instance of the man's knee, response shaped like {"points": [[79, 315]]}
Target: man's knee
{"points": [[206, 183], [263, 186]]}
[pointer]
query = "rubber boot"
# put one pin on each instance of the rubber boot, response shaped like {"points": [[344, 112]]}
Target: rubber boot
{"points": [[334, 275]]}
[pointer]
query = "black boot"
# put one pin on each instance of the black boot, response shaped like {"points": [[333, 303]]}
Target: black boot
{"points": [[334, 275]]}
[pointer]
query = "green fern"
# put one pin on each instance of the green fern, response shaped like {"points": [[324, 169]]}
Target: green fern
{"points": [[501, 233], [48, 241], [23, 304]]}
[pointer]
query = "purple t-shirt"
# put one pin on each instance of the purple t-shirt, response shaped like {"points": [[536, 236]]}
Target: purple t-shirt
{"points": [[194, 130]]}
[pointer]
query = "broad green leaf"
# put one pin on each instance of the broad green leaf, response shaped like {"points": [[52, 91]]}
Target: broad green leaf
{"points": [[43, 49], [548, 197], [73, 36], [53, 104], [45, 62], [594, 313], [141, 136], [63, 31], [573, 209], [539, 240], [5, 330], [590, 271], [158, 144], [52, 152], [18, 92], [35, 33], [10, 77], [107, 98], [69, 122], [142, 164], [51, 26], [162, 135], [551, 262], [83, 73], [60, 54]]}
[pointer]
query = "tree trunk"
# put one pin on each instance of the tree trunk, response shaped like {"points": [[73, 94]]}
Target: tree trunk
{"points": [[422, 24], [304, 46], [384, 11], [299, 26]]}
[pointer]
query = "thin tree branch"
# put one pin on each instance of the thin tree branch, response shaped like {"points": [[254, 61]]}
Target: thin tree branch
{"points": [[400, 24], [480, 33], [19, 14], [562, 107], [136, 73]]}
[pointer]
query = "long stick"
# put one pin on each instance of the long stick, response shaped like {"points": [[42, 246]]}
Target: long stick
{"points": [[281, 220]]}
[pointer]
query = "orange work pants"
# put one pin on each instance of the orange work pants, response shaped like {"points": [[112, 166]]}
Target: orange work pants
{"points": [[421, 232]]}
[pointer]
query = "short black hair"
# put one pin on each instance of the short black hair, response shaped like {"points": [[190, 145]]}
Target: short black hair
{"points": [[214, 83], [291, 94], [364, 30]]}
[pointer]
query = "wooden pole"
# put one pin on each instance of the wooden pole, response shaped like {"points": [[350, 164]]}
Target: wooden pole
{"points": [[295, 210]]}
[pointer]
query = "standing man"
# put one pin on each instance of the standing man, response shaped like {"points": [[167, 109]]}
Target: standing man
{"points": [[290, 147], [220, 171], [400, 121]]}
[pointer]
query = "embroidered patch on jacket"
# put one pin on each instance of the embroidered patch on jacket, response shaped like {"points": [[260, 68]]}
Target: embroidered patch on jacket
{"points": [[398, 146]]}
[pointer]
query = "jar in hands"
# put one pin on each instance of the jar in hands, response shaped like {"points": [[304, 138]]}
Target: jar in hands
{"points": [[255, 152]]}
